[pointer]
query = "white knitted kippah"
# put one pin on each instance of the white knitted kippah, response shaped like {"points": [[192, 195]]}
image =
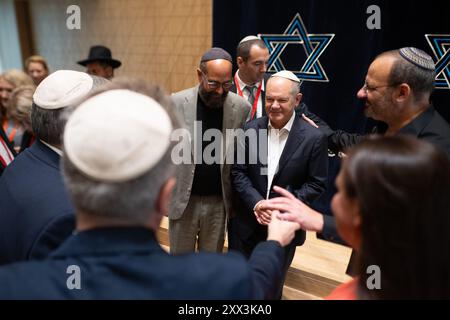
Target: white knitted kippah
{"points": [[117, 135]]}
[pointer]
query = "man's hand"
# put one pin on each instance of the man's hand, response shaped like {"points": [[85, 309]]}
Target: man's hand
{"points": [[309, 121], [281, 230], [292, 209], [263, 216]]}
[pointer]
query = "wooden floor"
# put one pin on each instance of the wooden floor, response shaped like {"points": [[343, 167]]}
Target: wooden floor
{"points": [[318, 267]]}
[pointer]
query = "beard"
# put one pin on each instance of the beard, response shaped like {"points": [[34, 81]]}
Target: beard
{"points": [[212, 99], [368, 112], [380, 111]]}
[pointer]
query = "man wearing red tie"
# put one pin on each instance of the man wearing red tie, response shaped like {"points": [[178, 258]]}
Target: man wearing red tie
{"points": [[249, 81]]}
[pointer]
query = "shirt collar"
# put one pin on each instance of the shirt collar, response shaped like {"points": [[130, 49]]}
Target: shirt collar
{"points": [[58, 151], [242, 84], [288, 126]]}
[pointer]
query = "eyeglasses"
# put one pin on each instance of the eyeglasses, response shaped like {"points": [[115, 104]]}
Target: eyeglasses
{"points": [[213, 85], [368, 88]]}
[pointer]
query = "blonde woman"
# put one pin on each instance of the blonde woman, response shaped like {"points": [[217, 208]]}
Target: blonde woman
{"points": [[18, 112], [37, 68], [8, 82]]}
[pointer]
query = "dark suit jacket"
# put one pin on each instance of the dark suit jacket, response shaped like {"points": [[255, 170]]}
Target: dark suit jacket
{"points": [[128, 263], [302, 170], [431, 127], [35, 212]]}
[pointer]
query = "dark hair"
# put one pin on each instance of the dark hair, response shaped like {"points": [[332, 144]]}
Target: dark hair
{"points": [[403, 188], [48, 125], [420, 80], [243, 49]]}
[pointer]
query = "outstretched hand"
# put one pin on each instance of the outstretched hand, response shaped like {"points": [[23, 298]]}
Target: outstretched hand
{"points": [[309, 121], [292, 209], [281, 230]]}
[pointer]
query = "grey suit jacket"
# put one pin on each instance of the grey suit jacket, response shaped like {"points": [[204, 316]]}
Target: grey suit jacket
{"points": [[235, 112]]}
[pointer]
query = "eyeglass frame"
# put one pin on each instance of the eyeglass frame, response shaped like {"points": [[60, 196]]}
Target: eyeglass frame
{"points": [[214, 85], [367, 88]]}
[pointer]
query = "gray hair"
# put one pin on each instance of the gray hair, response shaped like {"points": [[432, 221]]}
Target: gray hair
{"points": [[131, 200], [295, 89], [48, 125]]}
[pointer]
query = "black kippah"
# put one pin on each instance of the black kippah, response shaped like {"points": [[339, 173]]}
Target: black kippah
{"points": [[216, 53]]}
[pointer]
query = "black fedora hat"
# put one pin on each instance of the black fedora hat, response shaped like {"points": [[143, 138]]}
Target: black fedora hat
{"points": [[100, 53]]}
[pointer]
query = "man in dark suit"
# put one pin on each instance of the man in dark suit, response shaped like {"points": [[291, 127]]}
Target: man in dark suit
{"points": [[250, 81], [35, 212], [121, 182], [397, 92], [250, 78], [289, 152]]}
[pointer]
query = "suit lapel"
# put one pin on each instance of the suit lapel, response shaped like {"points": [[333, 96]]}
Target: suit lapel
{"points": [[295, 138], [263, 95], [190, 114], [229, 119], [262, 157]]}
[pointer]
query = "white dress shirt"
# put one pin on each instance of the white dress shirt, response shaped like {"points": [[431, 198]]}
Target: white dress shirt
{"points": [[58, 151], [276, 140], [242, 85]]}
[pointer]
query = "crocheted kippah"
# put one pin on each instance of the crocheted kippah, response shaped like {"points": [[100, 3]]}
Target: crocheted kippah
{"points": [[418, 58]]}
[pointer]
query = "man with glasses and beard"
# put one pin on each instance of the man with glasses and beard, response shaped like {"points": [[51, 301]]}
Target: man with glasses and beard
{"points": [[202, 201]]}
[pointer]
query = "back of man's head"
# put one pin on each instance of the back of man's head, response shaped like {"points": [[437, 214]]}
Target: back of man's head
{"points": [[58, 93], [117, 156]]}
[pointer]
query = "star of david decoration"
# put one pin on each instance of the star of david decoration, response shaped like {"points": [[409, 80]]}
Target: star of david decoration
{"points": [[440, 44], [313, 44]]}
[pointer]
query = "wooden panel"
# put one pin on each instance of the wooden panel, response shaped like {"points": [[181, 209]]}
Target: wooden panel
{"points": [[157, 40]]}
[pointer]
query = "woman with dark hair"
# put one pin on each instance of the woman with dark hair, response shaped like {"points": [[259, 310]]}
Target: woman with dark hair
{"points": [[392, 208]]}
